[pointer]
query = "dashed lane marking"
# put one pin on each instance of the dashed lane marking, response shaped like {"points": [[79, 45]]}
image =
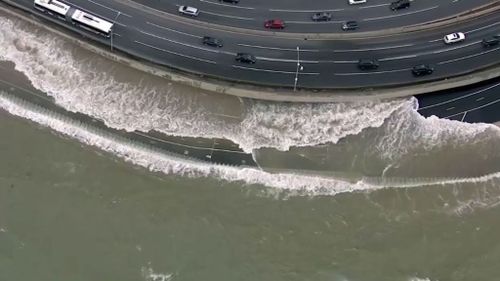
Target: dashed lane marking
{"points": [[276, 48], [402, 14], [173, 30], [274, 71], [227, 5], [226, 16], [175, 53]]}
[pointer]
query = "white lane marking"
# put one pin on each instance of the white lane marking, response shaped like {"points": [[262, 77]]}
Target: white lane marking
{"points": [[106, 7], [345, 61], [456, 48], [465, 114], [468, 57], [226, 16], [184, 145], [175, 53], [373, 6], [315, 22], [483, 27], [400, 15], [276, 48], [288, 60], [475, 108], [460, 97], [224, 52], [305, 11], [372, 72], [398, 58], [373, 49], [173, 30], [180, 43], [470, 31], [228, 5], [274, 71]]}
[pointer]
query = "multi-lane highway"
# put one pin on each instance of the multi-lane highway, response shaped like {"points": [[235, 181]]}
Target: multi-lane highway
{"points": [[373, 15], [474, 103], [171, 41]]}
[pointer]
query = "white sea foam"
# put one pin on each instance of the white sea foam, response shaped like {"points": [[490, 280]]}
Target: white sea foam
{"points": [[150, 275], [82, 84], [85, 85], [155, 160]]}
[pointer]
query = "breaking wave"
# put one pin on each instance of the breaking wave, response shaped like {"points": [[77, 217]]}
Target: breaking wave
{"points": [[407, 149], [82, 82], [155, 160]]}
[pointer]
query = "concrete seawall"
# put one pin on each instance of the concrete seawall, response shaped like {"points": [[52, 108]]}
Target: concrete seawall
{"points": [[140, 62]]}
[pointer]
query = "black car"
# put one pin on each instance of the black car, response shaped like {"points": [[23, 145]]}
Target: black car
{"points": [[400, 4], [245, 58], [367, 64], [211, 41], [350, 25], [422, 69], [491, 41], [230, 1], [322, 16]]}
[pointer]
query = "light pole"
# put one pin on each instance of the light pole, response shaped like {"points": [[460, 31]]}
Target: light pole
{"points": [[299, 67], [113, 28]]}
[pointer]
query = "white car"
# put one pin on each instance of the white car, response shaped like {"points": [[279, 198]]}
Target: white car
{"points": [[190, 11], [454, 38], [354, 2]]}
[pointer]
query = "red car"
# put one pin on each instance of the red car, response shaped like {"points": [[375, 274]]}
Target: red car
{"points": [[274, 24]]}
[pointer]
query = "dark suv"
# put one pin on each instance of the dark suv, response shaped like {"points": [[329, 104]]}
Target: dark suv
{"points": [[230, 1], [367, 64], [400, 4], [211, 41], [245, 58], [491, 41], [422, 69], [322, 16], [350, 25]]}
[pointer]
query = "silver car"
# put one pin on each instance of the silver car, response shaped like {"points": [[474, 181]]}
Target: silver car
{"points": [[454, 38], [190, 11]]}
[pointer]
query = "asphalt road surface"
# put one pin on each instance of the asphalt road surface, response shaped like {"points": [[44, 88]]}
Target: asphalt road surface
{"points": [[373, 15], [316, 64], [474, 103]]}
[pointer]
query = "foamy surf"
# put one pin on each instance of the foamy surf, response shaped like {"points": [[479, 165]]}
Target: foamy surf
{"points": [[149, 275], [157, 161], [389, 133], [90, 87]]}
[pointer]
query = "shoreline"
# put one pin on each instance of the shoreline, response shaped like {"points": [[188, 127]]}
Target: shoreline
{"points": [[216, 151], [233, 88]]}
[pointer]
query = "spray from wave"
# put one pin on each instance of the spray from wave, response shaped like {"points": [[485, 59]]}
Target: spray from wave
{"points": [[155, 160], [82, 82], [390, 134]]}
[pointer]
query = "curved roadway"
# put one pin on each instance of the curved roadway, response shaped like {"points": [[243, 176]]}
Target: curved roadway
{"points": [[474, 103], [324, 63], [373, 15]]}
